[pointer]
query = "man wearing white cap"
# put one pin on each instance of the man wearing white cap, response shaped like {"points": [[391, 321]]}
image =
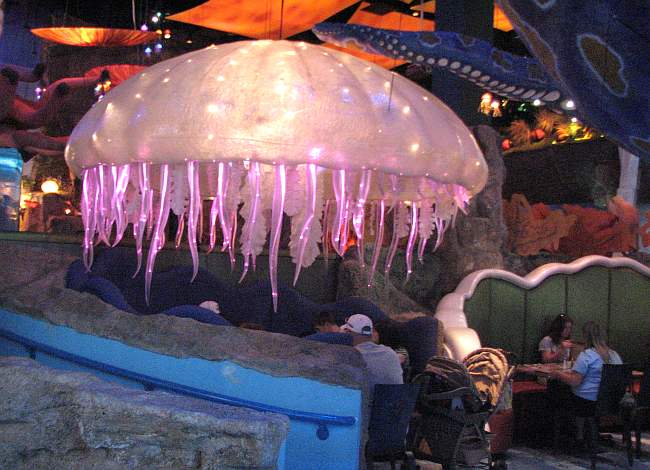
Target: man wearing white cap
{"points": [[383, 363]]}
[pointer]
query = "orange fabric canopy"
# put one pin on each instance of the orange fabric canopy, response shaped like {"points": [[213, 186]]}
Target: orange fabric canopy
{"points": [[101, 37], [261, 19], [118, 72]]}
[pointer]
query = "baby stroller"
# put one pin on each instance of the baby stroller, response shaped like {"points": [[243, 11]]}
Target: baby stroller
{"points": [[453, 407]]}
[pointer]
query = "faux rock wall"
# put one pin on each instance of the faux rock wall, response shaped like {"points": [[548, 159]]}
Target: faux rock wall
{"points": [[52, 420]]}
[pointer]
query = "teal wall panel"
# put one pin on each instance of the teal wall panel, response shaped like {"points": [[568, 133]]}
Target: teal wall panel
{"points": [[544, 303], [629, 325], [588, 297], [506, 328]]}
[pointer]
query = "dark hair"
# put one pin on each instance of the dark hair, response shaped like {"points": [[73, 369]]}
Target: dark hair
{"points": [[557, 326], [325, 317]]}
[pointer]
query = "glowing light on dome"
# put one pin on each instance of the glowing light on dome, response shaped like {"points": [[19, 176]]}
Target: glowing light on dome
{"points": [[282, 134]]}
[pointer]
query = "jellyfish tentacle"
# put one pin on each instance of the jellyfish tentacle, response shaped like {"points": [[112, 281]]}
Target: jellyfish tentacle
{"points": [[310, 210], [359, 216], [158, 233], [192, 220], [248, 231], [279, 192], [379, 239], [326, 231], [88, 214], [411, 240], [338, 183], [146, 207], [122, 182], [212, 172], [222, 192], [102, 215], [398, 227], [179, 230]]}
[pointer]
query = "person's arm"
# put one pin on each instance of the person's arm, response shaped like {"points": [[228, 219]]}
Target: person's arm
{"points": [[569, 377]]}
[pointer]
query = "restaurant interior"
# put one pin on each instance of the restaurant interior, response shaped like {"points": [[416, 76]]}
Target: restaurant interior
{"points": [[190, 187]]}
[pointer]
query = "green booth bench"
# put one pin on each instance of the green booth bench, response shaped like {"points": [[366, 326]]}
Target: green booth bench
{"points": [[497, 308]]}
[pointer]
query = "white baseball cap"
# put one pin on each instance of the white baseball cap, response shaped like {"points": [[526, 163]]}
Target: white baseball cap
{"points": [[359, 324]]}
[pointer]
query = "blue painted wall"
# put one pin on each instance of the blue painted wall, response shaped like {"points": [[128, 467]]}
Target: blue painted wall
{"points": [[303, 448]]}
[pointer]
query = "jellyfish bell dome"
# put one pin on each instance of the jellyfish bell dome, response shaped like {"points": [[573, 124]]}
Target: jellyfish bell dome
{"points": [[330, 140]]}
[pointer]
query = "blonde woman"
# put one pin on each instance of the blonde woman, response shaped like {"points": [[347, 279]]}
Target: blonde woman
{"points": [[584, 377]]}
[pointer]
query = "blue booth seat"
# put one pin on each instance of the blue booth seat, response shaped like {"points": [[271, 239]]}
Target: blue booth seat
{"points": [[111, 279]]}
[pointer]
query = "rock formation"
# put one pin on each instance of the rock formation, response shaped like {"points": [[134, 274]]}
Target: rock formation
{"points": [[60, 420]]}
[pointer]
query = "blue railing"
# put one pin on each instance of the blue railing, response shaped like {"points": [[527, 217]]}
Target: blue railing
{"points": [[150, 383]]}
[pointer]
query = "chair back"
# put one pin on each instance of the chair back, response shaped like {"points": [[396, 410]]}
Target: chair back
{"points": [[643, 399], [390, 415], [615, 379]]}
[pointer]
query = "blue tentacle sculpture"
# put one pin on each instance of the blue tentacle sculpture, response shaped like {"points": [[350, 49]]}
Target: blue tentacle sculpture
{"points": [[622, 118], [516, 77]]}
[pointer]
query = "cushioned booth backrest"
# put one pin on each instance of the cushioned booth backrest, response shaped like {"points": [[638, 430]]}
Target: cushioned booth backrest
{"points": [[513, 318]]}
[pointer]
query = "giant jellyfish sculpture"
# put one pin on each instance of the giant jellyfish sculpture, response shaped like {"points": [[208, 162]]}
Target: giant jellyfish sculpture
{"points": [[286, 128]]}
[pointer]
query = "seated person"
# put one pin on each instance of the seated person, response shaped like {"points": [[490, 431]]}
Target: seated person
{"points": [[556, 345], [383, 363], [584, 377], [326, 323]]}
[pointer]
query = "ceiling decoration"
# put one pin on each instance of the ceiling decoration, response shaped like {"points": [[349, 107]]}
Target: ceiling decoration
{"points": [[261, 19], [95, 37]]}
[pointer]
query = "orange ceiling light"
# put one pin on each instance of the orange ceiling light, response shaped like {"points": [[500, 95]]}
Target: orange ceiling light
{"points": [[95, 37], [261, 19]]}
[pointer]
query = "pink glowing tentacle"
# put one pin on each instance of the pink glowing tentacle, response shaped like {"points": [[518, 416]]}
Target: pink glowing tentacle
{"points": [[233, 238], [102, 215], [345, 230], [123, 175], [158, 233], [393, 243], [379, 239], [310, 208], [222, 191], [179, 231], [411, 240], [146, 195], [422, 244], [192, 221], [253, 177], [338, 184], [394, 191], [277, 212], [326, 230], [359, 217], [440, 232], [88, 215]]}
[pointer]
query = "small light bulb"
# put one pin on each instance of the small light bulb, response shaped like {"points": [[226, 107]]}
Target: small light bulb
{"points": [[574, 119], [144, 27], [147, 50], [50, 186], [536, 102], [155, 19]]}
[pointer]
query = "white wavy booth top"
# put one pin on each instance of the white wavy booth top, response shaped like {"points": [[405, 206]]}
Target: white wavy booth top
{"points": [[461, 340]]}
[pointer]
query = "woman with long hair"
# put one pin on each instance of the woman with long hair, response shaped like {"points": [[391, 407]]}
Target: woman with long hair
{"points": [[556, 345], [584, 377]]}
